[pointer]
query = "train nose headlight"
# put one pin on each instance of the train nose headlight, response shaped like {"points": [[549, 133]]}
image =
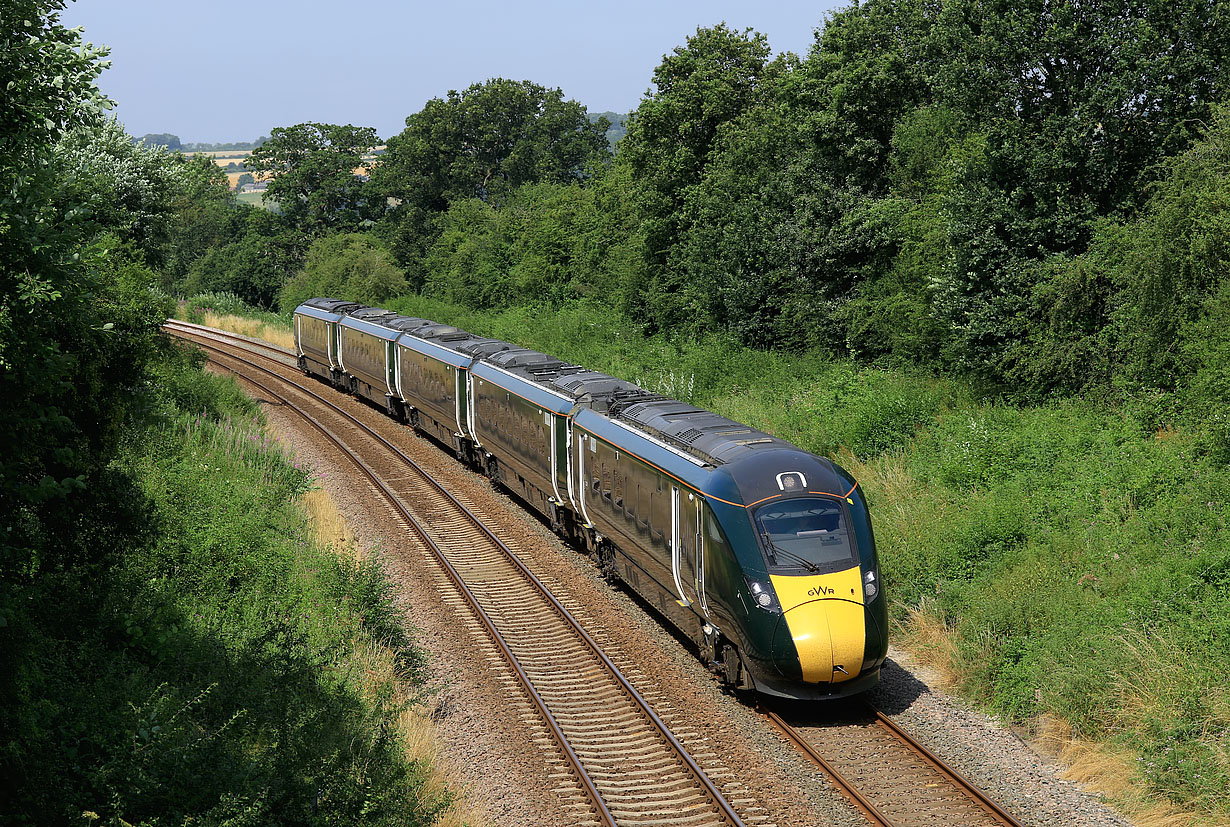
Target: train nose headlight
{"points": [[869, 585], [762, 595]]}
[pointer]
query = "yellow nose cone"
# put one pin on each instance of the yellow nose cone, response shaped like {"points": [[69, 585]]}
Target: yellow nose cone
{"points": [[824, 614]]}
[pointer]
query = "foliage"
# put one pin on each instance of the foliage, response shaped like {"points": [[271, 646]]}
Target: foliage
{"points": [[312, 170], [482, 143], [163, 139], [719, 74], [355, 266], [617, 129], [254, 265], [916, 187], [486, 140], [206, 216], [112, 184], [549, 243], [208, 675]]}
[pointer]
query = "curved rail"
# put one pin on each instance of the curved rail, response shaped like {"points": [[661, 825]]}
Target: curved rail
{"points": [[894, 803], [958, 780], [723, 810]]}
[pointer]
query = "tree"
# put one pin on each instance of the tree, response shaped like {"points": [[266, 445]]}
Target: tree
{"points": [[254, 261], [313, 170], [206, 216], [246, 178], [710, 81], [78, 323], [115, 185], [485, 142], [163, 139]]}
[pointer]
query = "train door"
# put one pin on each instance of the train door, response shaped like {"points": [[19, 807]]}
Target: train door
{"points": [[559, 456], [464, 423], [336, 338], [685, 545], [390, 366]]}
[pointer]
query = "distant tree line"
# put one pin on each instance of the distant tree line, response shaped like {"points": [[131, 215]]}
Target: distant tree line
{"points": [[172, 143]]}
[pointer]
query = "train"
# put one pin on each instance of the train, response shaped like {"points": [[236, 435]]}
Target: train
{"points": [[758, 551]]}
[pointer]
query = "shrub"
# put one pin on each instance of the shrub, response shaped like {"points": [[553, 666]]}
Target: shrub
{"points": [[354, 266]]}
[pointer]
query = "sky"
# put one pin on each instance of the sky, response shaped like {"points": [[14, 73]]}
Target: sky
{"points": [[231, 71]]}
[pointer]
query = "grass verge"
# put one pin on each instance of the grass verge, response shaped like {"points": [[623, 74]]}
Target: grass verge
{"points": [[216, 663]]}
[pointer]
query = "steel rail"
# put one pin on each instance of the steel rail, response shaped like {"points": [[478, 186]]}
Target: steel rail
{"points": [[250, 340], [726, 811], [861, 803], [391, 497], [957, 779]]}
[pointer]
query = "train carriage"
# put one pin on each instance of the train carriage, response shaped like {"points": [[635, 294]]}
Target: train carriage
{"points": [[368, 355], [317, 341], [519, 419], [432, 382]]}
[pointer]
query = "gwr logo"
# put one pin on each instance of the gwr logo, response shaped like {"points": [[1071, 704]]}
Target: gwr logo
{"points": [[820, 591]]}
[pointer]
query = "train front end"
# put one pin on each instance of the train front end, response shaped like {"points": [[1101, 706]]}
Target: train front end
{"points": [[812, 610]]}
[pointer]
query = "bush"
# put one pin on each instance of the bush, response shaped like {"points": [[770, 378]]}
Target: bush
{"points": [[354, 266]]}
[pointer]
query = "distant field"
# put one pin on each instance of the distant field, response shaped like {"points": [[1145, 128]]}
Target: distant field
{"points": [[256, 199]]}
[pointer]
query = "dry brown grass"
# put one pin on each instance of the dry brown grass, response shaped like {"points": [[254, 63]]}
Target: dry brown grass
{"points": [[1110, 771], [273, 334], [931, 642], [375, 670], [1102, 767]]}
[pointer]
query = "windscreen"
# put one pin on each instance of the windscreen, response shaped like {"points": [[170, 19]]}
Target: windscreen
{"points": [[808, 533]]}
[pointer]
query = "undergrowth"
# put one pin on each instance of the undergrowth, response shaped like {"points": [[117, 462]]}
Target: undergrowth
{"points": [[214, 672]]}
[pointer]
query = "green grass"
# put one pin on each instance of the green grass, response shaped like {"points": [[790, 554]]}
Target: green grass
{"points": [[208, 675], [256, 199]]}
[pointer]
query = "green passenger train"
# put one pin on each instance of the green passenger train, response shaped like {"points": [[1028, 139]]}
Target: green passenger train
{"points": [[761, 553]]}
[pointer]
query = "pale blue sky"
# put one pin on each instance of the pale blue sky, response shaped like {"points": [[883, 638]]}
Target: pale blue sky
{"points": [[231, 71]]}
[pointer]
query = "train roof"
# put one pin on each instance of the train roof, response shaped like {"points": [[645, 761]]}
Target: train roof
{"points": [[598, 391], [376, 315], [713, 439], [704, 434], [332, 305]]}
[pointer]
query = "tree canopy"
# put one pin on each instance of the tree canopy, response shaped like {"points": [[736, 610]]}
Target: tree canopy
{"points": [[487, 140], [313, 174]]}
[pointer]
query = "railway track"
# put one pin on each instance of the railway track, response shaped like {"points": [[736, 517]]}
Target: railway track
{"points": [[892, 779], [888, 776], [627, 766]]}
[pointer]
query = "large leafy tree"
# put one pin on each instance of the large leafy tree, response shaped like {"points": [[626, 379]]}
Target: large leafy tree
{"points": [[719, 74], [77, 325], [487, 140], [314, 170], [482, 143]]}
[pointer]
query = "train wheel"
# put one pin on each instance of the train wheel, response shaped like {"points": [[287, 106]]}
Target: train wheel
{"points": [[607, 565], [734, 674]]}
